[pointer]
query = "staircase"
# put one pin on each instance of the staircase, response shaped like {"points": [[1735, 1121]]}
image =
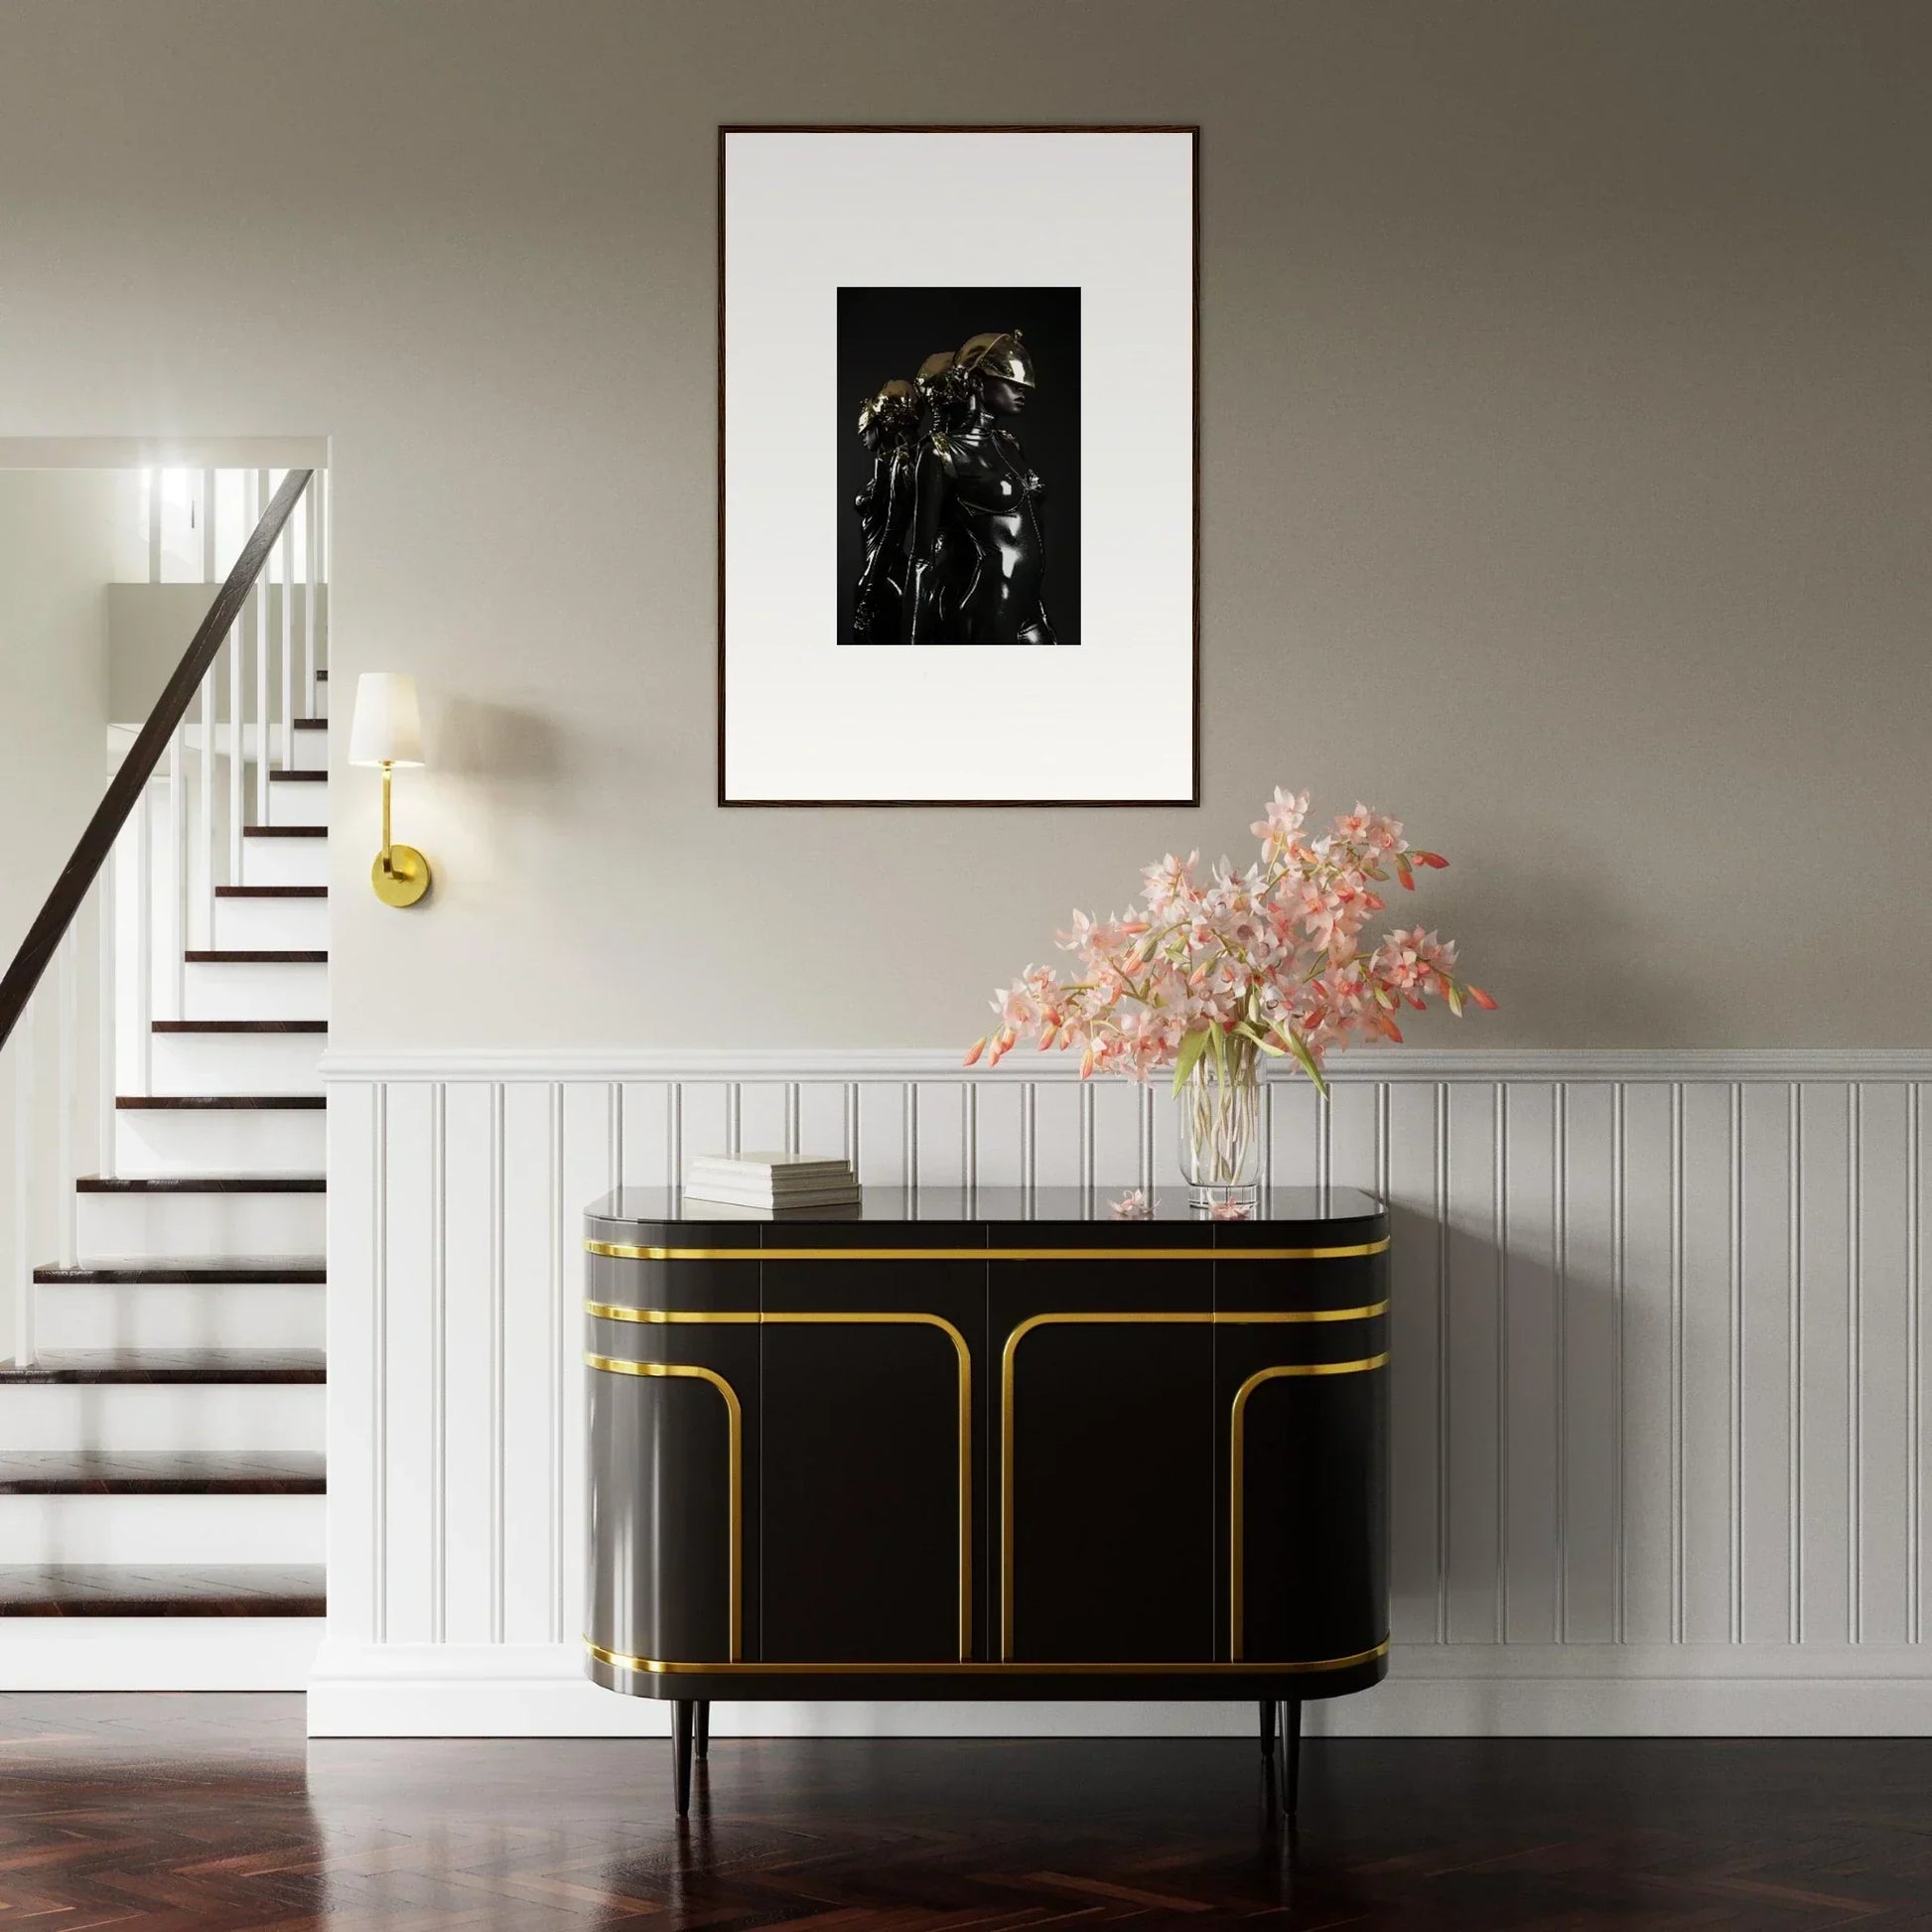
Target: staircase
{"points": [[162, 1423]]}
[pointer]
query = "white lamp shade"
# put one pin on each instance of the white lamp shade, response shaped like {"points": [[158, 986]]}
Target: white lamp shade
{"points": [[388, 729]]}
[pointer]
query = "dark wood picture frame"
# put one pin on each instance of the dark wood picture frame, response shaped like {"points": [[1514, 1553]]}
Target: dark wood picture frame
{"points": [[1192, 132]]}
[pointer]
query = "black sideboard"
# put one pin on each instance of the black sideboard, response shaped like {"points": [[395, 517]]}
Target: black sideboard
{"points": [[1004, 1446]]}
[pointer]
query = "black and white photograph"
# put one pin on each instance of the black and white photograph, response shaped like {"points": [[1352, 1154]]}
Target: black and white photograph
{"points": [[958, 464], [961, 464]]}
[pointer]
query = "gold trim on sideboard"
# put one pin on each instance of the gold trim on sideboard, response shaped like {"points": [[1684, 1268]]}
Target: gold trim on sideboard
{"points": [[618, 1251], [658, 1666], [1189, 1317], [735, 1427], [611, 1311], [1237, 1474]]}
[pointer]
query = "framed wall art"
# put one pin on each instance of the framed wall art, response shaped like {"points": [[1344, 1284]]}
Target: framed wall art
{"points": [[958, 465]]}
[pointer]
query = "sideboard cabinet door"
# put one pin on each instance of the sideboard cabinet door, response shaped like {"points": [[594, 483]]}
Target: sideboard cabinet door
{"points": [[1301, 1387], [1104, 1451], [873, 1406]]}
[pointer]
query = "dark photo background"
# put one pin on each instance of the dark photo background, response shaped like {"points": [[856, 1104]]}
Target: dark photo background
{"points": [[887, 333]]}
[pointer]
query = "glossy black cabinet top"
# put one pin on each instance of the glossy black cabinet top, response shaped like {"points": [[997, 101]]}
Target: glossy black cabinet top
{"points": [[1331, 1215]]}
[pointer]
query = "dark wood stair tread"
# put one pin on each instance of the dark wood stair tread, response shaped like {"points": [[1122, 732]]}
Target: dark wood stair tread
{"points": [[202, 1183], [241, 1026], [285, 831], [267, 1103], [298, 777], [200, 1365], [311, 724], [240, 956], [193, 1270], [161, 1473], [271, 892], [163, 1589]]}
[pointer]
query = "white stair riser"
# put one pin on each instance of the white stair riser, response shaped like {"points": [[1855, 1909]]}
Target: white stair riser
{"points": [[285, 862], [310, 752], [184, 1314], [272, 924], [320, 708], [237, 1062], [256, 990], [121, 1415], [299, 804], [125, 1226], [158, 1141], [162, 1529]]}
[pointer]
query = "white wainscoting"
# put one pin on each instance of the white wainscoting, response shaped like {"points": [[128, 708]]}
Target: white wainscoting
{"points": [[1658, 1381]]}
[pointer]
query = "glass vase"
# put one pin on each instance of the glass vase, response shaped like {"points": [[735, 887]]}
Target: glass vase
{"points": [[1220, 1130]]}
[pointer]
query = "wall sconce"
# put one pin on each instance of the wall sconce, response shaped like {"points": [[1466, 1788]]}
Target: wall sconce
{"points": [[387, 731]]}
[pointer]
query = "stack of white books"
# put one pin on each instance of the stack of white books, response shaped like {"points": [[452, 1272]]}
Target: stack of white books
{"points": [[775, 1182]]}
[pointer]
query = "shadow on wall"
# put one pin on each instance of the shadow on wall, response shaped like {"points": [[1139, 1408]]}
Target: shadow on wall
{"points": [[1511, 1507], [494, 765]]}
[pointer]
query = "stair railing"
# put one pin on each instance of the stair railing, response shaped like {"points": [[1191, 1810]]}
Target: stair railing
{"points": [[120, 835]]}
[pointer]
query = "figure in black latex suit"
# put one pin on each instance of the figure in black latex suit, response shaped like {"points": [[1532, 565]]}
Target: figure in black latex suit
{"points": [[973, 472], [950, 552], [888, 427]]}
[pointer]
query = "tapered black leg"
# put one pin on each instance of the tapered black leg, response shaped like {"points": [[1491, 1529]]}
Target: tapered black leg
{"points": [[681, 1716], [1268, 1727], [704, 1730], [1290, 1756]]}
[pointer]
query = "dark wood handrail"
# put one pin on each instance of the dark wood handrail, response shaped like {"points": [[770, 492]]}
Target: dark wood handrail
{"points": [[90, 854]]}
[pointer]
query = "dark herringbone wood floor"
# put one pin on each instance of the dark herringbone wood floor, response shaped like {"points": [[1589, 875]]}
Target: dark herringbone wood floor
{"points": [[213, 1810]]}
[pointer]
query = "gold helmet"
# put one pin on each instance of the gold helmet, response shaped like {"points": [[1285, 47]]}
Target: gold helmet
{"points": [[1002, 355], [934, 368], [895, 398]]}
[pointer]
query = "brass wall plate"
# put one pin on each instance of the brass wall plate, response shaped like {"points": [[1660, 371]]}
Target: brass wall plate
{"points": [[403, 879]]}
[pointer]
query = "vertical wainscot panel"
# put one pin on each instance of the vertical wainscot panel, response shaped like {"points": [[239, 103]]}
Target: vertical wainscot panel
{"points": [[1476, 1353], [1828, 1502], [1707, 1393], [647, 1108], [1648, 1493], [1531, 1421], [1881, 1367], [532, 1118], [1768, 1501], [1417, 1366], [1590, 1123], [763, 1116], [469, 1463], [412, 1396], [587, 1167]]}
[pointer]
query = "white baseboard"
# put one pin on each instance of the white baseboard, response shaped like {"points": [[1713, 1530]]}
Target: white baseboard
{"points": [[1454, 1691], [179, 1653]]}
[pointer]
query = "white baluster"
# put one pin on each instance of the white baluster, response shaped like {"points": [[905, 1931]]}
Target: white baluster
{"points": [[237, 761], [285, 546], [143, 942], [67, 1040], [157, 479], [178, 873], [24, 1125], [204, 845], [107, 901], [260, 602], [311, 497], [207, 526], [324, 520]]}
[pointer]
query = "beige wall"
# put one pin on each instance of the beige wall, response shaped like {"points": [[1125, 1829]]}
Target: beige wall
{"points": [[57, 542], [1565, 473]]}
